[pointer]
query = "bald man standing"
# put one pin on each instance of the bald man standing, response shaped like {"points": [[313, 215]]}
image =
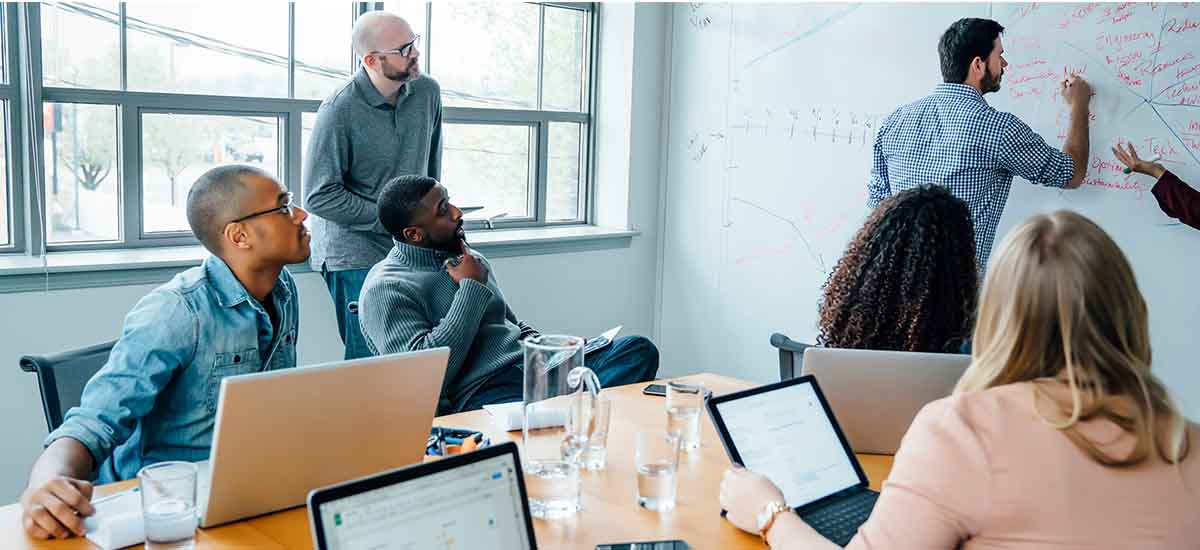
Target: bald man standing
{"points": [[384, 122]]}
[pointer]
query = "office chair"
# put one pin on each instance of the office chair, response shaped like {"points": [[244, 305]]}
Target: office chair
{"points": [[62, 376], [791, 355]]}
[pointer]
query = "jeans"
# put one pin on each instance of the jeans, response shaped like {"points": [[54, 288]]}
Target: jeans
{"points": [[627, 360], [344, 287]]}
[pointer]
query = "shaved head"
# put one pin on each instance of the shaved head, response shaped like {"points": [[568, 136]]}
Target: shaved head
{"points": [[215, 199], [378, 30]]}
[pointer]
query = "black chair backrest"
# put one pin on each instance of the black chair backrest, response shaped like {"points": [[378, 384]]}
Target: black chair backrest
{"points": [[62, 376], [791, 355]]}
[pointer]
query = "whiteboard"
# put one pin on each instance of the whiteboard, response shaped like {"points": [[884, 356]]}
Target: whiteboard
{"points": [[772, 113]]}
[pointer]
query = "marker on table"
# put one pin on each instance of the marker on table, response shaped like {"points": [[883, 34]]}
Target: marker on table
{"points": [[1154, 158]]}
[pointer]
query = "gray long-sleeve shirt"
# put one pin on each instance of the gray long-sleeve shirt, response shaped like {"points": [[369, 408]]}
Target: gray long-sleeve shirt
{"points": [[410, 303], [359, 142]]}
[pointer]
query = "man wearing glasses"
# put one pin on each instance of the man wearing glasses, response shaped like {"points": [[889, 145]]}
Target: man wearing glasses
{"points": [[385, 122], [156, 397]]}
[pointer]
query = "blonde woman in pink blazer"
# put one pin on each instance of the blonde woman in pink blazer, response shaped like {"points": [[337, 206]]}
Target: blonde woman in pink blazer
{"points": [[1057, 436]]}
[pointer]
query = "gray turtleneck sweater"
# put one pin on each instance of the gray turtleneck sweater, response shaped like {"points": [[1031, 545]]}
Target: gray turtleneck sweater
{"points": [[410, 303]]}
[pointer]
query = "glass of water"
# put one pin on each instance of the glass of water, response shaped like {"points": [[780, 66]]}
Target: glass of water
{"points": [[595, 453], [684, 402], [550, 455], [657, 459], [168, 492]]}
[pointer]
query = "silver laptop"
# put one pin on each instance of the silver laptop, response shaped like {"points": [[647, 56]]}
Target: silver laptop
{"points": [[876, 394], [280, 434]]}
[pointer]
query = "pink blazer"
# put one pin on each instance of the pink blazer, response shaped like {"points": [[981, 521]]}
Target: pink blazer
{"points": [[983, 471]]}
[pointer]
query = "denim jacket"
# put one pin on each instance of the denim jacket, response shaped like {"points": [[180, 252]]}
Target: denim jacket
{"points": [[156, 398]]}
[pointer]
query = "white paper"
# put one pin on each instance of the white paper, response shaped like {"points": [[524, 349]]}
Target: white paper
{"points": [[117, 522], [508, 416]]}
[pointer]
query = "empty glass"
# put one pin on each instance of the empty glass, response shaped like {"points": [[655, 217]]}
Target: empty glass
{"points": [[168, 492], [656, 459], [684, 403]]}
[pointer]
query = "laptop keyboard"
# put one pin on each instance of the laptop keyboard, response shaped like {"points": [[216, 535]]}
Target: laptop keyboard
{"points": [[839, 520]]}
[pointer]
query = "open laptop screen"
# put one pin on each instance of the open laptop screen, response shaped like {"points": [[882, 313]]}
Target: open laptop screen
{"points": [[786, 435], [474, 505]]}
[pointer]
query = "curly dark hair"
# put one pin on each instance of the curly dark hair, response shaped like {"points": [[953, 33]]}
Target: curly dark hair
{"points": [[908, 280]]}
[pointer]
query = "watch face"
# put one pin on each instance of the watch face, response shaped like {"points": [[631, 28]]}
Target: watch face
{"points": [[764, 516], [767, 514]]}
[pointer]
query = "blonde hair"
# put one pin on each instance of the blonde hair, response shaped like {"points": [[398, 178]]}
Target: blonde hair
{"points": [[1060, 301]]}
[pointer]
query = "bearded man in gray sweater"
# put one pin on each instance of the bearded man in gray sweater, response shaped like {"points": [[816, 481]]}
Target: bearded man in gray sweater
{"points": [[432, 290]]}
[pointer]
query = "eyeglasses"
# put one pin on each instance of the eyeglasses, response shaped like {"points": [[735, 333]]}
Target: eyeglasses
{"points": [[286, 208], [405, 50]]}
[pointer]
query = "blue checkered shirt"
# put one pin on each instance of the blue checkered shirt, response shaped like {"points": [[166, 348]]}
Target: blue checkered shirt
{"points": [[953, 138]]}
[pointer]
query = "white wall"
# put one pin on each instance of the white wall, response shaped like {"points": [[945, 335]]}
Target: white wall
{"points": [[579, 293]]}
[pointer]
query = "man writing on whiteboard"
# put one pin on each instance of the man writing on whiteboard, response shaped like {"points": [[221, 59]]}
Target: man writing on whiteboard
{"points": [[953, 138]]}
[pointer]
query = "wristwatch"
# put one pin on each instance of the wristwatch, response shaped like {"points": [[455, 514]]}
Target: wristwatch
{"points": [[766, 518]]}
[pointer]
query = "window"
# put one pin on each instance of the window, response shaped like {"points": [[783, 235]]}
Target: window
{"points": [[517, 107], [489, 165], [83, 198], [10, 220], [136, 100], [178, 148], [5, 224]]}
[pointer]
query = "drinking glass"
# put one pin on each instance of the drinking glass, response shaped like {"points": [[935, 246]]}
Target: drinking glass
{"points": [[684, 403], [168, 492], [656, 459]]}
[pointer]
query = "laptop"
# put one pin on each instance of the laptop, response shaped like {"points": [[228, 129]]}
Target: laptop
{"points": [[472, 500], [877, 394], [281, 433], [787, 432]]}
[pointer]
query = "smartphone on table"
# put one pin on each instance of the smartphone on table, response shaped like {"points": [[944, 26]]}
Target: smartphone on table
{"points": [[651, 545], [655, 389]]}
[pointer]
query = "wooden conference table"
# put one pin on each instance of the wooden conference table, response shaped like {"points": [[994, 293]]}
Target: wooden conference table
{"points": [[609, 515]]}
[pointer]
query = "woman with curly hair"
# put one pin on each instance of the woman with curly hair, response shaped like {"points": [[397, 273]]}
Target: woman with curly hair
{"points": [[908, 279]]}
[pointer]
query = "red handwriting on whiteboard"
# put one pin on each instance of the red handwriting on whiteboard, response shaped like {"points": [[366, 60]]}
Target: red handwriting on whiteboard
{"points": [[1168, 64], [1101, 166], [1187, 71], [1123, 61], [1184, 89], [1124, 184], [1030, 77], [1118, 14], [1120, 40], [1124, 77], [1035, 62], [1176, 26], [1019, 92], [1025, 10], [1078, 15], [1158, 146]]}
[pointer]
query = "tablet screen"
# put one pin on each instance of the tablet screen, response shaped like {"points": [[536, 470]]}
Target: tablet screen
{"points": [[785, 435]]}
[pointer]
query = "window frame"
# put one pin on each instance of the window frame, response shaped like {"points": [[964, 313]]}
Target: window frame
{"points": [[29, 185], [13, 125]]}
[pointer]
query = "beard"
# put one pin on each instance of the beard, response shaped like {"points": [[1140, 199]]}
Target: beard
{"points": [[405, 75], [452, 244], [991, 82]]}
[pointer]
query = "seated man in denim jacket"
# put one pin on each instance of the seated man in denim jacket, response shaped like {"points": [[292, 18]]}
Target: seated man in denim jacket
{"points": [[156, 398]]}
